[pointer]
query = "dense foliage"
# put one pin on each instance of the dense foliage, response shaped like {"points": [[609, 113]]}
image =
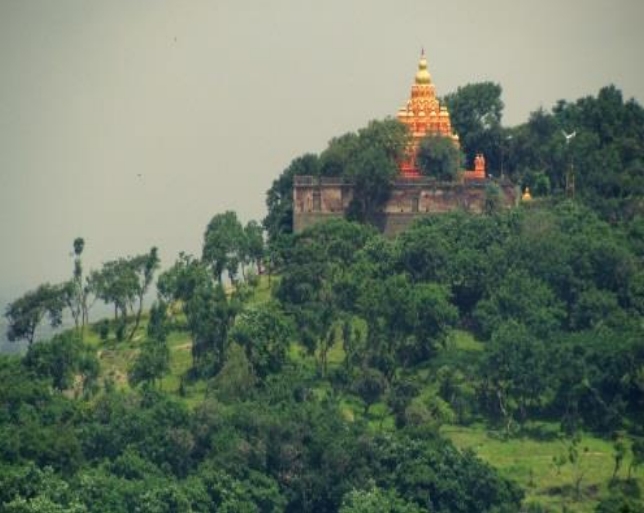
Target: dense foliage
{"points": [[329, 392]]}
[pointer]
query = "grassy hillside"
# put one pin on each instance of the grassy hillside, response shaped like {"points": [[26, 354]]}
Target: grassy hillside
{"points": [[537, 459]]}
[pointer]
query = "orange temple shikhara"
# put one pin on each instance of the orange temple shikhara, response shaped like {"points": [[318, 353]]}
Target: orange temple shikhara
{"points": [[423, 114]]}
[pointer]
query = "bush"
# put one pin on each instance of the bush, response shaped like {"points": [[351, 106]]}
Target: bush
{"points": [[103, 329]]}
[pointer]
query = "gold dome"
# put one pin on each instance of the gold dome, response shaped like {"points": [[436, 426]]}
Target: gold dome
{"points": [[423, 76]]}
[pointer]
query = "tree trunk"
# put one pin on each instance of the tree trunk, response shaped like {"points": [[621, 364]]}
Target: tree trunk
{"points": [[137, 320]]}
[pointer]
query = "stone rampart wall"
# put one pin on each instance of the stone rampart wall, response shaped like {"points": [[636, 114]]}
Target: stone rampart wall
{"points": [[318, 199]]}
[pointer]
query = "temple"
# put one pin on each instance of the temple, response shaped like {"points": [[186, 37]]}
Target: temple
{"points": [[424, 115], [412, 195]]}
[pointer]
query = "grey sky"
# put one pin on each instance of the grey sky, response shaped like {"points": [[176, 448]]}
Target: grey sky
{"points": [[210, 100]]}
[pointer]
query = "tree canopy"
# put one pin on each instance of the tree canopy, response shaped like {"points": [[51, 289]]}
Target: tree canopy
{"points": [[355, 377]]}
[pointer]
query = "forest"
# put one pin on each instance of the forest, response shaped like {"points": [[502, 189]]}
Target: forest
{"points": [[475, 363]]}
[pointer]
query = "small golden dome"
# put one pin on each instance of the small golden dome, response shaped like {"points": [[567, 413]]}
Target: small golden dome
{"points": [[423, 76], [526, 195]]}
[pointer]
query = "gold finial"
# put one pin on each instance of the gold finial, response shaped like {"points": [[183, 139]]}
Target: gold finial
{"points": [[423, 76], [526, 195]]}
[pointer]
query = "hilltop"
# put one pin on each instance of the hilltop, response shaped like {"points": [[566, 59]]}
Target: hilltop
{"points": [[474, 363]]}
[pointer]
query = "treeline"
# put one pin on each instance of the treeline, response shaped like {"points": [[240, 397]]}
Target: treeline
{"points": [[554, 292], [268, 449], [591, 149], [122, 283]]}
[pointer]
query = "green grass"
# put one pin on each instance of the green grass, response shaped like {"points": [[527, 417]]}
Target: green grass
{"points": [[529, 462], [463, 341], [264, 290]]}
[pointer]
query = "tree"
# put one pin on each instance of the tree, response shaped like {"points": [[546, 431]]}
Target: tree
{"points": [[157, 327], [637, 455], [152, 362], [515, 372], [115, 283], [255, 244], [619, 453], [405, 321], [236, 378], [521, 298], [373, 166], [64, 360], [577, 456], [46, 492], [124, 282], [337, 155], [370, 385], [26, 313], [607, 147], [264, 332], [144, 267], [75, 292], [316, 260], [279, 198], [209, 316], [224, 245], [476, 111], [439, 157], [179, 282]]}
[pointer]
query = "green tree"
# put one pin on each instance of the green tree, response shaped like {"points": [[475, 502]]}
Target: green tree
{"points": [[179, 282], [255, 244], [25, 314], [265, 333], [373, 167], [370, 385], [151, 363], [337, 155], [224, 245], [209, 315], [124, 282], [637, 455], [406, 322], [619, 453], [476, 111], [64, 360], [143, 267], [521, 298], [75, 292], [157, 327], [316, 261], [116, 283], [51, 494], [236, 379], [515, 372], [279, 198], [577, 456], [439, 157]]}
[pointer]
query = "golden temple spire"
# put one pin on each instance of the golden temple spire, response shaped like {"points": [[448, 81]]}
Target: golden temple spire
{"points": [[423, 114], [423, 76]]}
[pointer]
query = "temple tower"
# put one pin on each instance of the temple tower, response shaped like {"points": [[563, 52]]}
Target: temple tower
{"points": [[423, 114]]}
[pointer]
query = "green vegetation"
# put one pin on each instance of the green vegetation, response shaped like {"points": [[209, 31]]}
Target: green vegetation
{"points": [[439, 158], [489, 363]]}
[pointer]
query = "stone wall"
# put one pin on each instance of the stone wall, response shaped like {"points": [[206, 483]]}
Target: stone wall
{"points": [[318, 199]]}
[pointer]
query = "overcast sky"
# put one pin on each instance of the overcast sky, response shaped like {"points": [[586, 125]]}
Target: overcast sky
{"points": [[131, 123]]}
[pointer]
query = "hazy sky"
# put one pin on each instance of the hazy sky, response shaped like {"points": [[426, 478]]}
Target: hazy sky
{"points": [[131, 123]]}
